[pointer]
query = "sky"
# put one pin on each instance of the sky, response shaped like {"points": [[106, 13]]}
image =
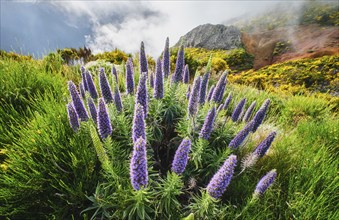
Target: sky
{"points": [[38, 27]]}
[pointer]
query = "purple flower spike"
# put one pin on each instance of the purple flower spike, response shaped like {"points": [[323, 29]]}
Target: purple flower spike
{"points": [[141, 96], [77, 102], [105, 87], [166, 59], [207, 128], [115, 73], [265, 182], [129, 76], [139, 127], [117, 98], [219, 89], [260, 115], [138, 165], [82, 90], [91, 86], [92, 109], [179, 66], [143, 59], [186, 79], [219, 182], [188, 92], [210, 93], [238, 109], [240, 137], [265, 145], [227, 101], [83, 78], [159, 81], [151, 80], [181, 156], [193, 101], [72, 117], [203, 88], [249, 112], [220, 107], [104, 123]]}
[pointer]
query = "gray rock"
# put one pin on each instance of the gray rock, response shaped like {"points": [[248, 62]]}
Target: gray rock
{"points": [[211, 36]]}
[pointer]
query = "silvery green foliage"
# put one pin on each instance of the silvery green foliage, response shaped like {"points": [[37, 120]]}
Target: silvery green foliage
{"points": [[73, 117], [265, 182], [104, 123], [77, 102], [138, 165], [194, 97], [219, 182], [181, 156]]}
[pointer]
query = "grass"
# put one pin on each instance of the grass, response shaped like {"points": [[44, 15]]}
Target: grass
{"points": [[47, 171]]}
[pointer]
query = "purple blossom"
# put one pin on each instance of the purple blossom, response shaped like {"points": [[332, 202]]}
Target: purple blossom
{"points": [[186, 79], [219, 182], [117, 98], [179, 66], [203, 89], [166, 59], [219, 89], [72, 117], [228, 101], [105, 87], [207, 127], [143, 59], [240, 137], [151, 79], [141, 96], [265, 145], [193, 101], [139, 127], [265, 182], [220, 107], [77, 102], [104, 123], [188, 92], [210, 93], [82, 90], [181, 156], [115, 73], [92, 109], [249, 112], [138, 165], [159, 81], [129, 76], [91, 86], [260, 115], [238, 109], [83, 78]]}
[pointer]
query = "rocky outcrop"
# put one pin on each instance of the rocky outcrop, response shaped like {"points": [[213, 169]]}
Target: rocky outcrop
{"points": [[211, 36]]}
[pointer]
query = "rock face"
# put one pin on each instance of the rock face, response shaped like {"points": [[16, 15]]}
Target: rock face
{"points": [[211, 36]]}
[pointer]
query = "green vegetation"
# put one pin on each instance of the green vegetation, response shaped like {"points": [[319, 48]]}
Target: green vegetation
{"points": [[47, 171]]}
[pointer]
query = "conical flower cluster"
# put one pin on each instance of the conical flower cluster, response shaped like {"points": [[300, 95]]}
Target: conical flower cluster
{"points": [[181, 156], [77, 102], [82, 90], [219, 90], [129, 76], [203, 89], [219, 182], [159, 81], [104, 123], [166, 59], [186, 79], [72, 117], [143, 59], [139, 127], [151, 80], [179, 66], [207, 128], [260, 115], [92, 109], [117, 98], [265, 145], [105, 87], [240, 137], [138, 165], [238, 109], [141, 95], [91, 86], [265, 182], [115, 73], [227, 101], [193, 101], [249, 112], [210, 93], [188, 93], [83, 78]]}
